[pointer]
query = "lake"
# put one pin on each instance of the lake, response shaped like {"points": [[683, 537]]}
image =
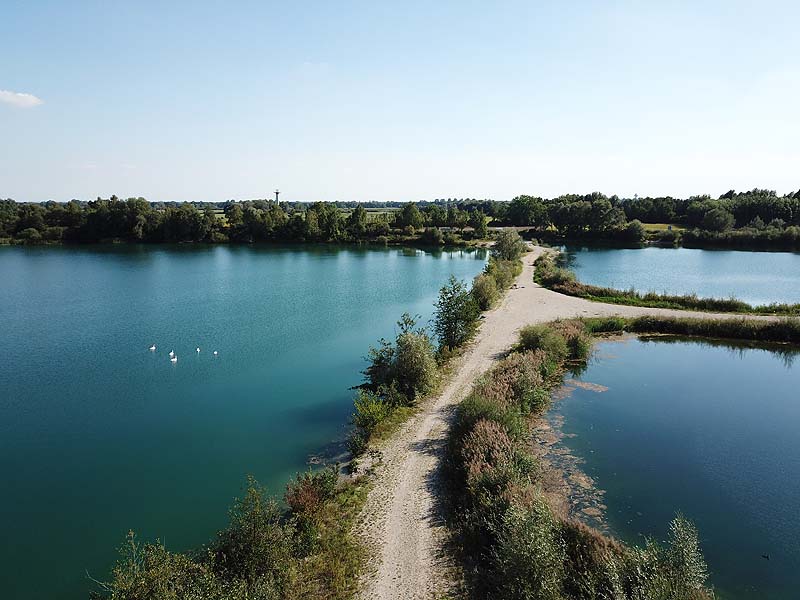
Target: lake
{"points": [[99, 435], [705, 429], [754, 277]]}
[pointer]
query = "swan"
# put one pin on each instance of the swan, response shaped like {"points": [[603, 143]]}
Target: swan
{"points": [[215, 352], [173, 359], [198, 348], [171, 353], [152, 348]]}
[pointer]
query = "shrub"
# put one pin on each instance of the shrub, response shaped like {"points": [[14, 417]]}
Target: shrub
{"points": [[256, 547], [146, 571], [306, 493], [433, 236], [635, 231], [370, 412], [29, 236], [579, 344], [415, 364], [508, 245], [528, 559], [542, 337], [484, 291], [504, 272]]}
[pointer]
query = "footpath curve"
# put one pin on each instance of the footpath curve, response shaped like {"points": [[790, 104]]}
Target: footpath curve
{"points": [[402, 521]]}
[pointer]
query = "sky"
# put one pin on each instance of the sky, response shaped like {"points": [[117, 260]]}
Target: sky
{"points": [[396, 100]]}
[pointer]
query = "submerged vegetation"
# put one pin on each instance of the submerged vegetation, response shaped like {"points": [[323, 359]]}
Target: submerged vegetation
{"points": [[562, 280]]}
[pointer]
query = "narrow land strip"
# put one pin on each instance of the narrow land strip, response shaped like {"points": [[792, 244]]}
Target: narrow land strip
{"points": [[402, 522]]}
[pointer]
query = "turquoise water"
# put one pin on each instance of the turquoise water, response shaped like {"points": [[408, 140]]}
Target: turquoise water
{"points": [[754, 277], [707, 430], [98, 435]]}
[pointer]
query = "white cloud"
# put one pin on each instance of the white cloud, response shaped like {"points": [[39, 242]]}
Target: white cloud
{"points": [[19, 99]]}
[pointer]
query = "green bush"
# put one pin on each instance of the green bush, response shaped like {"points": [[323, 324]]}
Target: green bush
{"points": [[415, 365], [256, 547], [370, 411], [542, 337], [306, 493], [433, 236], [504, 272], [527, 561], [508, 245], [484, 291]]}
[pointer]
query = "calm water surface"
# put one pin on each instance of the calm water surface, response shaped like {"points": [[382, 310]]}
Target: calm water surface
{"points": [[754, 277], [710, 431], [98, 435]]}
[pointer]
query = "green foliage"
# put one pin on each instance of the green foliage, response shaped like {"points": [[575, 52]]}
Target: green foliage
{"points": [[547, 339], [415, 364], [409, 216], [310, 489], [433, 236], [508, 245], [635, 231], [484, 291], [718, 219], [527, 561], [455, 314], [256, 547], [370, 411], [253, 558], [504, 272]]}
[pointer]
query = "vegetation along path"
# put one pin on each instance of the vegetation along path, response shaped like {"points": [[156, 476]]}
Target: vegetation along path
{"points": [[402, 522]]}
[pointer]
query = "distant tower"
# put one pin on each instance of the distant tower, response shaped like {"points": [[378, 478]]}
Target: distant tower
{"points": [[277, 193]]}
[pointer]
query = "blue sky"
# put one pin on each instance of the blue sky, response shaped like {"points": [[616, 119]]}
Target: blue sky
{"points": [[396, 101]]}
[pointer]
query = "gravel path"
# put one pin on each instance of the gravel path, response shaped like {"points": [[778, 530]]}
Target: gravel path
{"points": [[402, 521]]}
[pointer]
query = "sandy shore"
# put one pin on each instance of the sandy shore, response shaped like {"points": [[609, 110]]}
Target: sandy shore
{"points": [[402, 521]]}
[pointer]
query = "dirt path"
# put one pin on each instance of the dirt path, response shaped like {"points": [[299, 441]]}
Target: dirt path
{"points": [[402, 521]]}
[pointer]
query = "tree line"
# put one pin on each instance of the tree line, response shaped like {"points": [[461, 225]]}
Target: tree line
{"points": [[755, 217], [137, 220]]}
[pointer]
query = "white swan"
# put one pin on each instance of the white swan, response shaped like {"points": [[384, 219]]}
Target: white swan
{"points": [[152, 348], [171, 353], [173, 359], [215, 352], [198, 348]]}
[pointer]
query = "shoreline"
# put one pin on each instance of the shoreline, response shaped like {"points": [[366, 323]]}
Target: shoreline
{"points": [[403, 522]]}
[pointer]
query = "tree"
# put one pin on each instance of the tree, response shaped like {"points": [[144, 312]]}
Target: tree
{"points": [[508, 246], [409, 216], [718, 219], [455, 315], [477, 221], [415, 364], [527, 210], [357, 222], [635, 231]]}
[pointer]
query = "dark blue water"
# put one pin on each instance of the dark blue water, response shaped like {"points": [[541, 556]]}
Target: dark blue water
{"points": [[710, 431], [754, 277], [98, 435]]}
